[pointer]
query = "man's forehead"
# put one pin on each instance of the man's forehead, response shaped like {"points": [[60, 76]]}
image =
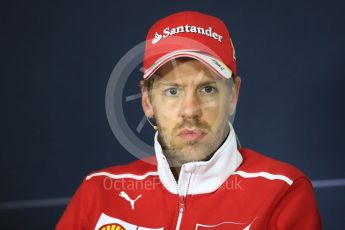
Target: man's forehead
{"points": [[189, 71]]}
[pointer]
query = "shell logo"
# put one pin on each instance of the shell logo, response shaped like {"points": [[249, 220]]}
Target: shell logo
{"points": [[112, 227]]}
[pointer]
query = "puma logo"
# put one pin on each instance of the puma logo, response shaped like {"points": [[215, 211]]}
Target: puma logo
{"points": [[126, 197]]}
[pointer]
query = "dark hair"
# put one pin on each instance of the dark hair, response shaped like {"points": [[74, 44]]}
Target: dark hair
{"points": [[148, 84]]}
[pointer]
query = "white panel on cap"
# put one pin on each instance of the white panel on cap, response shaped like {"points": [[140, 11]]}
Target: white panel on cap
{"points": [[215, 64]]}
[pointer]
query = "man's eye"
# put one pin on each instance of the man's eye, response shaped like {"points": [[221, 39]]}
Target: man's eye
{"points": [[171, 91], [208, 90]]}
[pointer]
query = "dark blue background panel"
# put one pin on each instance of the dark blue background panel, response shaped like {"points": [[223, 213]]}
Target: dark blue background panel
{"points": [[56, 59]]}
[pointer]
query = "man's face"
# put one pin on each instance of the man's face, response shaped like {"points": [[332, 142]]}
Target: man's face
{"points": [[191, 105]]}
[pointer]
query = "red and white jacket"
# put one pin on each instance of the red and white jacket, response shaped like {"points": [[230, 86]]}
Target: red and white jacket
{"points": [[235, 189]]}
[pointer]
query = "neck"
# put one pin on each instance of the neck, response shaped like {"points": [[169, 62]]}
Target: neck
{"points": [[176, 172]]}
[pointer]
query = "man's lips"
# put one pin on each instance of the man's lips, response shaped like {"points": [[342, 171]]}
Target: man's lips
{"points": [[191, 134]]}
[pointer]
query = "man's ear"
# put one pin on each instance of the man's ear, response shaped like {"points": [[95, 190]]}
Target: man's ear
{"points": [[234, 95], [146, 101]]}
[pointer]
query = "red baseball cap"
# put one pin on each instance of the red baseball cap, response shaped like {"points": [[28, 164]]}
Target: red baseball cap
{"points": [[190, 34]]}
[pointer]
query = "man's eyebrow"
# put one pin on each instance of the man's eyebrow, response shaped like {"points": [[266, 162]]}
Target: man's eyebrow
{"points": [[170, 83], [207, 83]]}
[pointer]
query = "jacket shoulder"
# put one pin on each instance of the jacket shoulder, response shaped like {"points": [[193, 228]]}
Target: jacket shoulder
{"points": [[138, 168], [256, 162]]}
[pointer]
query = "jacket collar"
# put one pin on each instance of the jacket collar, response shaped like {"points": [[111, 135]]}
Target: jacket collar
{"points": [[201, 176]]}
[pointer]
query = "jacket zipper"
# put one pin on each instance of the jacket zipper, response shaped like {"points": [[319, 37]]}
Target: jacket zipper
{"points": [[182, 198], [182, 208], [182, 201]]}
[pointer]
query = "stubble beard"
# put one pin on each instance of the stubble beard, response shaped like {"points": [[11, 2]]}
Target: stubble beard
{"points": [[180, 153]]}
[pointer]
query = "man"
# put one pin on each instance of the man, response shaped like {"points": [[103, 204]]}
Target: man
{"points": [[200, 176]]}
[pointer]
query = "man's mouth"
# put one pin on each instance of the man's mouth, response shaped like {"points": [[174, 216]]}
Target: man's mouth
{"points": [[191, 134]]}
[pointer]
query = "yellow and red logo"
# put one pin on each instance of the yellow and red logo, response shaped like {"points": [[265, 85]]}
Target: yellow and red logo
{"points": [[112, 227]]}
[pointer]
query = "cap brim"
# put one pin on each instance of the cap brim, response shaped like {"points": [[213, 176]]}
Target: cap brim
{"points": [[214, 64]]}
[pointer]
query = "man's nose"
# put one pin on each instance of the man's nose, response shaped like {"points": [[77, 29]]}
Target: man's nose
{"points": [[190, 106]]}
